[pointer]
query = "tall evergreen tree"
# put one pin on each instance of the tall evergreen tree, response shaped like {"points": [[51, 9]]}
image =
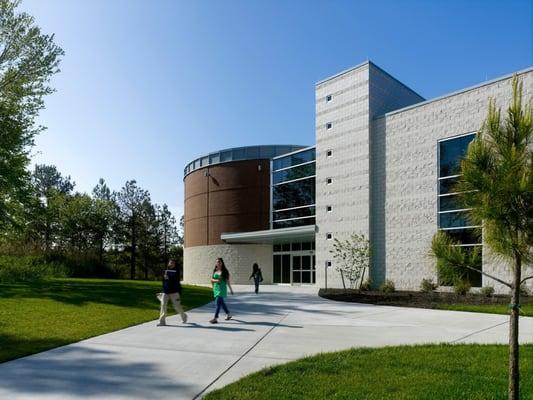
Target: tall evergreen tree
{"points": [[49, 189], [130, 201], [105, 211]]}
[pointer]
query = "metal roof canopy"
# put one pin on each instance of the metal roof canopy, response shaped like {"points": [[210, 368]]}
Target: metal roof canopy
{"points": [[271, 236]]}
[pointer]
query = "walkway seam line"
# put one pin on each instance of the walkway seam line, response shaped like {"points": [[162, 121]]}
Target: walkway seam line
{"points": [[239, 359], [481, 330]]}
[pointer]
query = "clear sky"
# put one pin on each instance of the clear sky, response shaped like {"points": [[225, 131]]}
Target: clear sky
{"points": [[147, 86]]}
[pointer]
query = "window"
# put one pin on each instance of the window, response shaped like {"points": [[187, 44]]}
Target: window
{"points": [[294, 159], [329, 236], [329, 153], [328, 208], [298, 212], [298, 193], [328, 125], [329, 181], [328, 264], [290, 174], [328, 98], [293, 189], [453, 218]]}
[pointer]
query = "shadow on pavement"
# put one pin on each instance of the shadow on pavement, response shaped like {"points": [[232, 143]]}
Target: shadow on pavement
{"points": [[85, 372]]}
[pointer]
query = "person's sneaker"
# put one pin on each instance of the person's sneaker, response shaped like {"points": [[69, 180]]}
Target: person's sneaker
{"points": [[184, 318], [214, 321], [161, 323], [228, 317]]}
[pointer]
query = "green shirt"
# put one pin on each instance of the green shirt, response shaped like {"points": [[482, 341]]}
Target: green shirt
{"points": [[219, 288]]}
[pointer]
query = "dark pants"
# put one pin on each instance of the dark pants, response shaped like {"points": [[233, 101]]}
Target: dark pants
{"points": [[220, 303], [256, 281]]}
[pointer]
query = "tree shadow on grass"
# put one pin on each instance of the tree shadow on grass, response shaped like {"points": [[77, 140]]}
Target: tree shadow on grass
{"points": [[81, 371], [119, 293]]}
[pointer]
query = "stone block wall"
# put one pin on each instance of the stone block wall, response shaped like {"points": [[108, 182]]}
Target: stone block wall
{"points": [[407, 140], [199, 262], [347, 167]]}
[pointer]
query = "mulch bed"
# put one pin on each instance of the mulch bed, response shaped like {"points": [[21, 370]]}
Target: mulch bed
{"points": [[415, 299]]}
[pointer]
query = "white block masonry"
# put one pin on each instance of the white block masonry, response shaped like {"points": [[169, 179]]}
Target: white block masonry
{"points": [[405, 184], [199, 262], [345, 104]]}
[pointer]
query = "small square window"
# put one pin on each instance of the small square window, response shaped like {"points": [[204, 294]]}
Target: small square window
{"points": [[329, 153], [328, 264], [328, 98], [328, 208], [328, 125], [329, 236], [329, 181]]}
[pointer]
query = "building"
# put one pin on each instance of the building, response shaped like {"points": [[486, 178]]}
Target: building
{"points": [[383, 165]]}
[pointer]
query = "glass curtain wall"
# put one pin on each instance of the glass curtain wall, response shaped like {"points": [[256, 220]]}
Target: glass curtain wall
{"points": [[293, 189], [452, 217]]}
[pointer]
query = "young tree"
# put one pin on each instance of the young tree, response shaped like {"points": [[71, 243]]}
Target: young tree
{"points": [[28, 59], [352, 258], [496, 183]]}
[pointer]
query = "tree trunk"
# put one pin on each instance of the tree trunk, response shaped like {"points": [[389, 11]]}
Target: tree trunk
{"points": [[514, 372], [101, 251], [47, 237], [133, 249]]}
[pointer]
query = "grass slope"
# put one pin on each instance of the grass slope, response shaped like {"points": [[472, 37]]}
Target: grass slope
{"points": [[42, 315], [430, 372]]}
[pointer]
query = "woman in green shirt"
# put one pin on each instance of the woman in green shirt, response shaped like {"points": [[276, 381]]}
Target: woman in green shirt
{"points": [[220, 282]]}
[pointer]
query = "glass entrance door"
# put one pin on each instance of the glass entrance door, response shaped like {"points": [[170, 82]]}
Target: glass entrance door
{"points": [[282, 268], [303, 269]]}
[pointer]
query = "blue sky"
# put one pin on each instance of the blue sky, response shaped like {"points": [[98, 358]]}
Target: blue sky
{"points": [[147, 86]]}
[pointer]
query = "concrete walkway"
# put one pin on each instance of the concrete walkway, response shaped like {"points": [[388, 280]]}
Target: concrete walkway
{"points": [[185, 361]]}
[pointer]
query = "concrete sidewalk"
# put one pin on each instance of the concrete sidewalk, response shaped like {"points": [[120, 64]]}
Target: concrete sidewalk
{"points": [[185, 361]]}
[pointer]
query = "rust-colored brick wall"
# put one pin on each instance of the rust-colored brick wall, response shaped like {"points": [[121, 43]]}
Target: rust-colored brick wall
{"points": [[229, 197]]}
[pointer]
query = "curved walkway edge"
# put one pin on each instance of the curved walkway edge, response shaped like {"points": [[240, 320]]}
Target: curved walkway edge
{"points": [[185, 361]]}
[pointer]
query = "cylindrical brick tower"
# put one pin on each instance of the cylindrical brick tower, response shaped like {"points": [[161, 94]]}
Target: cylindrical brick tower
{"points": [[228, 191]]}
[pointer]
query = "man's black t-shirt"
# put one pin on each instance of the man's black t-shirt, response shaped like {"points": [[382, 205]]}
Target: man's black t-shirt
{"points": [[171, 281]]}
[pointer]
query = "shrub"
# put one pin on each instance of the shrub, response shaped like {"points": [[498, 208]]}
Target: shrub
{"points": [[461, 287], [427, 285], [29, 268], [366, 285], [352, 258], [487, 291], [387, 286]]}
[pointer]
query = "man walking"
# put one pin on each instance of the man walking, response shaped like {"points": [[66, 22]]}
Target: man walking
{"points": [[172, 291]]}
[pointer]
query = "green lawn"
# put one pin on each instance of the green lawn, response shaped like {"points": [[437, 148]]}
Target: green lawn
{"points": [[430, 372], [526, 310], [43, 315]]}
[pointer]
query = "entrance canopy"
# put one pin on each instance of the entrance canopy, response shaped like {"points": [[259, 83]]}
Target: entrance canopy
{"points": [[271, 236]]}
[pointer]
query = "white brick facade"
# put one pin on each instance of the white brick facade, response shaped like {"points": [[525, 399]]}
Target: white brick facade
{"points": [[406, 189], [238, 258]]}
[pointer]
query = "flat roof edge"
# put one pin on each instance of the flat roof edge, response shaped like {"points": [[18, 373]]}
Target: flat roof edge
{"points": [[367, 62], [457, 92]]}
